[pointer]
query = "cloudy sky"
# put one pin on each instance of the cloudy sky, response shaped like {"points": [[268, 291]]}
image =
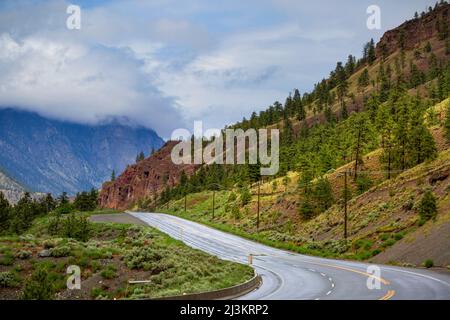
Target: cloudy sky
{"points": [[166, 63]]}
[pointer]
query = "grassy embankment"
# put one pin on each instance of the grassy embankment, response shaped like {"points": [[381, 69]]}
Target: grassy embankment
{"points": [[378, 218], [112, 255]]}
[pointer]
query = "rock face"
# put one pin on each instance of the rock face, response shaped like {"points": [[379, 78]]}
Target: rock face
{"points": [[12, 190], [144, 179], [45, 155], [415, 31]]}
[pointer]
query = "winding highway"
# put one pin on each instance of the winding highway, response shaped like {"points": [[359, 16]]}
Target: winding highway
{"points": [[289, 275]]}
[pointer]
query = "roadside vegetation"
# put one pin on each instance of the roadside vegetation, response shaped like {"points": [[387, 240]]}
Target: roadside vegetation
{"points": [[309, 217], [34, 258]]}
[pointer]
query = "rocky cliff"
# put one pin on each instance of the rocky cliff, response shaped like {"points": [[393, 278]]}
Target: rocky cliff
{"points": [[414, 32], [143, 180], [12, 190]]}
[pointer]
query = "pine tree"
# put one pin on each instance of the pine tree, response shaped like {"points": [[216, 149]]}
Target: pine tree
{"points": [[422, 145], [371, 56], [298, 106], [306, 208], [385, 127], [49, 203], [63, 199], [5, 213], [350, 65], [288, 132], [254, 172], [364, 79], [428, 206], [447, 123], [245, 195], [113, 175], [323, 194], [23, 214], [361, 131]]}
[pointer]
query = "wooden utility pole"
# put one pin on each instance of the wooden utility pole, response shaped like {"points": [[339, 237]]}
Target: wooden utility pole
{"points": [[257, 217], [214, 205], [345, 204]]}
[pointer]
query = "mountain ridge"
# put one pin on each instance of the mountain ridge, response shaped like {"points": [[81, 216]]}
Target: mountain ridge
{"points": [[47, 155]]}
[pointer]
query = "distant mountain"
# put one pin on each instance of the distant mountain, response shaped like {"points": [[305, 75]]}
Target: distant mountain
{"points": [[47, 155], [12, 190]]}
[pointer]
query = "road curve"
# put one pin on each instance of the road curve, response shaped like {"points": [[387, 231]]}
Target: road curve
{"points": [[290, 276]]}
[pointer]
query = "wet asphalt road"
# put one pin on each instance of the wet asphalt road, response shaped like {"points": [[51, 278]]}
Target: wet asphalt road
{"points": [[289, 275]]}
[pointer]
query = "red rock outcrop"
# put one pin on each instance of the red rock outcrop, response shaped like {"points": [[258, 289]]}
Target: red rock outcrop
{"points": [[415, 31], [143, 179]]}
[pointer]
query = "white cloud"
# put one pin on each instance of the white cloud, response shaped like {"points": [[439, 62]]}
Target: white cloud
{"points": [[73, 82], [165, 62], [247, 72]]}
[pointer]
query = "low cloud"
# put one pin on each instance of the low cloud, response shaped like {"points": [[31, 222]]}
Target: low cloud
{"points": [[82, 84]]}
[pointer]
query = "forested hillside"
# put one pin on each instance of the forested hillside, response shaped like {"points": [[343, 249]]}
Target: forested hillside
{"points": [[373, 122]]}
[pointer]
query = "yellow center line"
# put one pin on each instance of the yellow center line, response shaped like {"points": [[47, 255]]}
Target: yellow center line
{"points": [[388, 295], [384, 281]]}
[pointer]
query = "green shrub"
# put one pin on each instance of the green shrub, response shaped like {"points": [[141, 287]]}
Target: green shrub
{"points": [[427, 207], [7, 280], [54, 224], [39, 287], [236, 212], [384, 236], [232, 197], [399, 236], [306, 209], [61, 251], [147, 258], [99, 293], [388, 243], [65, 208], [76, 227], [7, 260], [23, 254], [50, 243], [109, 272], [363, 183], [362, 243], [428, 263], [375, 252], [246, 196]]}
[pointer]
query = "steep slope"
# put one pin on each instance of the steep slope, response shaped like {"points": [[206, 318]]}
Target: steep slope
{"points": [[144, 180], [417, 56], [53, 156]]}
